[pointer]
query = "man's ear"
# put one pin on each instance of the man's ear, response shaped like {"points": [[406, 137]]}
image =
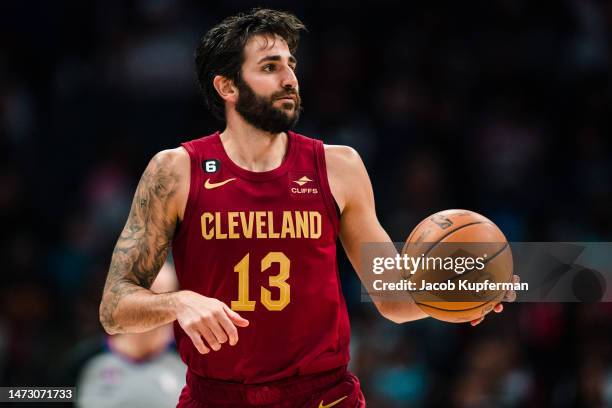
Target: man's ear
{"points": [[226, 88]]}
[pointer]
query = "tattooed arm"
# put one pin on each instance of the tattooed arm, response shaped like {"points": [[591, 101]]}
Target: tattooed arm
{"points": [[128, 306], [127, 303]]}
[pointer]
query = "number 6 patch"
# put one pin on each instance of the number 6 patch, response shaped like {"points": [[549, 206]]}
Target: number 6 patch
{"points": [[211, 165]]}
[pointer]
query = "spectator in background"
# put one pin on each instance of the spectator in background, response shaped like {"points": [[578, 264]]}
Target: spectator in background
{"points": [[131, 370]]}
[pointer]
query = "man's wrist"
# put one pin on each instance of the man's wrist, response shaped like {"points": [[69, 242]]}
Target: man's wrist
{"points": [[175, 302]]}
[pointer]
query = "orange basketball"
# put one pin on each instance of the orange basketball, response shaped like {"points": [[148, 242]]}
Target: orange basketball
{"points": [[454, 234]]}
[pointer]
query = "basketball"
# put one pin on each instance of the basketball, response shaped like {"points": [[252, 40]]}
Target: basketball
{"points": [[457, 235]]}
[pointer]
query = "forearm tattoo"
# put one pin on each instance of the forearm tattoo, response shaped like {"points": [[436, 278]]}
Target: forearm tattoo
{"points": [[145, 240]]}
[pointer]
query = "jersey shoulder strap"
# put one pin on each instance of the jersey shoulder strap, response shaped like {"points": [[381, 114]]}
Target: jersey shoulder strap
{"points": [[313, 152]]}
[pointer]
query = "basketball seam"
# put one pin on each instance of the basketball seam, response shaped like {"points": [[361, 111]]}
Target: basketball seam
{"points": [[451, 232], [485, 262], [471, 270], [415, 229], [484, 302], [457, 310], [441, 238]]}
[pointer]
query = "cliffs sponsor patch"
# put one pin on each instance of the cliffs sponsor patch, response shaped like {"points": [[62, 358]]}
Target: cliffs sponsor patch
{"points": [[303, 185]]}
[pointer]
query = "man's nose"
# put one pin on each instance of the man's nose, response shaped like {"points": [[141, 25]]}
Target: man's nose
{"points": [[289, 80]]}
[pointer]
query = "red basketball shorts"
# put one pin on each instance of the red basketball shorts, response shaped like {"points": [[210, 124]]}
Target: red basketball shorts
{"points": [[336, 388]]}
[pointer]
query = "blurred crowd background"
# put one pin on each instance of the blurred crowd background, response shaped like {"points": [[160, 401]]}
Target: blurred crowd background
{"points": [[501, 106]]}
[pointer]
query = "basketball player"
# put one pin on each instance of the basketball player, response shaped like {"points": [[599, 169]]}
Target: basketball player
{"points": [[252, 214]]}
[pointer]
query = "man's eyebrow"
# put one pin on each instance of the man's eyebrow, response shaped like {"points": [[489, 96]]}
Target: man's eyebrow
{"points": [[276, 58]]}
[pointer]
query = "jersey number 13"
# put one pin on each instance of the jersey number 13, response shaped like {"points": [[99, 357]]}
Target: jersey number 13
{"points": [[279, 281]]}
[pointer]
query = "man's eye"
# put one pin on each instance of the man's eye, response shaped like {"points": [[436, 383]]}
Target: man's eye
{"points": [[268, 67]]}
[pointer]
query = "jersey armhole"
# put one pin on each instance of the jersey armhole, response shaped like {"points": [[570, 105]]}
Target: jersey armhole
{"points": [[331, 206], [193, 190]]}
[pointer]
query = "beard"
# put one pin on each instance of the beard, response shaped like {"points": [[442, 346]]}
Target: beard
{"points": [[260, 112]]}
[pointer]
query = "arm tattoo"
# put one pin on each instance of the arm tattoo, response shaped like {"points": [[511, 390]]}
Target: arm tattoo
{"points": [[145, 240]]}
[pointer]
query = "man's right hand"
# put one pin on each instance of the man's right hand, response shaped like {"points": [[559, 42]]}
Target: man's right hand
{"points": [[208, 318]]}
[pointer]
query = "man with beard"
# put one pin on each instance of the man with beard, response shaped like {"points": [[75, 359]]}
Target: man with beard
{"points": [[252, 214]]}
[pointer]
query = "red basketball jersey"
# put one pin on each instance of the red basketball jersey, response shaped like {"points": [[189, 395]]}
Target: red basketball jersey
{"points": [[264, 243]]}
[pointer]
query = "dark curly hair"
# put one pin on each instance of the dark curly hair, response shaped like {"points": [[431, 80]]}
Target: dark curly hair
{"points": [[220, 51]]}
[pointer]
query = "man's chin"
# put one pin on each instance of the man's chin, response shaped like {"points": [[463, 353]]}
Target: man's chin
{"points": [[285, 120], [287, 107], [289, 112]]}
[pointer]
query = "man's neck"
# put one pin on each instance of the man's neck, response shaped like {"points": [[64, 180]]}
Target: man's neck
{"points": [[253, 149]]}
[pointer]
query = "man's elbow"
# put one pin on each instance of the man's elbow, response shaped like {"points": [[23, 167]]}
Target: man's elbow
{"points": [[400, 312], [395, 317], [106, 319]]}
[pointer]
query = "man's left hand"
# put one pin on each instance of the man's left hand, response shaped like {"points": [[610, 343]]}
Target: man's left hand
{"points": [[510, 296]]}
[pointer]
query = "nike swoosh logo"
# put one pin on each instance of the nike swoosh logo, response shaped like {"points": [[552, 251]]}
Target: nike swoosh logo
{"points": [[209, 186], [331, 404]]}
